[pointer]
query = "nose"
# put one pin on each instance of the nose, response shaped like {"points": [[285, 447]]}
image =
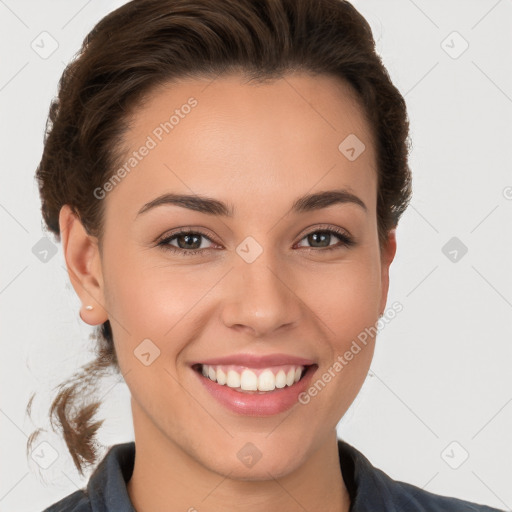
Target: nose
{"points": [[259, 298]]}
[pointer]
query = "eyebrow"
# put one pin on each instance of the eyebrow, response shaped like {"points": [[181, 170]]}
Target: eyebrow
{"points": [[210, 206]]}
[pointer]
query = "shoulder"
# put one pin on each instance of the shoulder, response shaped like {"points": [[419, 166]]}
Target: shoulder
{"points": [[371, 489], [106, 490], [75, 502], [411, 497]]}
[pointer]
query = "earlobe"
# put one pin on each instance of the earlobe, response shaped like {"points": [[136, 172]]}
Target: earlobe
{"points": [[387, 255], [84, 266], [390, 250]]}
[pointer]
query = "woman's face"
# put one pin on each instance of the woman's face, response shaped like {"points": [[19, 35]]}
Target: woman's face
{"points": [[267, 279]]}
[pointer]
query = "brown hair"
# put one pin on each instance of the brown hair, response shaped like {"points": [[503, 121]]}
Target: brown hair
{"points": [[148, 43]]}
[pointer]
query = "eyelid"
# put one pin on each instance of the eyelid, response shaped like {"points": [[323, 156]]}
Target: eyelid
{"points": [[185, 229], [205, 232], [324, 227]]}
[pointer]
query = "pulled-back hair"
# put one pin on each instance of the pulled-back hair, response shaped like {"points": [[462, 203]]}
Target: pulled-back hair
{"points": [[145, 44]]}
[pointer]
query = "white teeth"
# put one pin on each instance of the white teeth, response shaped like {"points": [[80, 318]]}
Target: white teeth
{"points": [[266, 381], [221, 377], [249, 380], [280, 379], [233, 380]]}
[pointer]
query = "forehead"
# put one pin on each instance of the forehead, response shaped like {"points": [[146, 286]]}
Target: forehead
{"points": [[262, 141]]}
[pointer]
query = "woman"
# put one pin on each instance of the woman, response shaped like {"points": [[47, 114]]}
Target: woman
{"points": [[226, 179]]}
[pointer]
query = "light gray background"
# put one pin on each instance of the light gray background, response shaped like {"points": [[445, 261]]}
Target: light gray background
{"points": [[441, 372]]}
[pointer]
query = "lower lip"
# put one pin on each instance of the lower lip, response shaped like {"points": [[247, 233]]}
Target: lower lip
{"points": [[254, 404]]}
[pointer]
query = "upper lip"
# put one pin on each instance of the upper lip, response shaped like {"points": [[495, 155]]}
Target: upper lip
{"points": [[257, 361]]}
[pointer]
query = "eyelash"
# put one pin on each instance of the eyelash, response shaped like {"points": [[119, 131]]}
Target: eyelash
{"points": [[346, 241]]}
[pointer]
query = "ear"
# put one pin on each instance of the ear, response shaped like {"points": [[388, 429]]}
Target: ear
{"points": [[387, 255], [83, 263]]}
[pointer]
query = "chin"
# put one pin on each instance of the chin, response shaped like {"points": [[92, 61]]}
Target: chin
{"points": [[263, 470], [248, 463]]}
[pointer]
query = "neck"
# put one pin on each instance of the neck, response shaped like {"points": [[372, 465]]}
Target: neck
{"points": [[166, 477]]}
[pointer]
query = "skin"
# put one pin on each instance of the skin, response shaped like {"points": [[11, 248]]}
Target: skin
{"points": [[257, 147]]}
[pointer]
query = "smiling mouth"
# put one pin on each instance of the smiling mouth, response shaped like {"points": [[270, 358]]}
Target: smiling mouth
{"points": [[254, 380]]}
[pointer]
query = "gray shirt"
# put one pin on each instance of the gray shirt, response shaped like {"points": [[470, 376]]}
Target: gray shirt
{"points": [[370, 489]]}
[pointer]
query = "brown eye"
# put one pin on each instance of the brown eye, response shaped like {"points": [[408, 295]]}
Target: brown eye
{"points": [[188, 242], [321, 238]]}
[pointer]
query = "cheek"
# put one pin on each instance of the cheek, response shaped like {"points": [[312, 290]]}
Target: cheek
{"points": [[156, 303], [350, 344], [346, 300], [149, 298], [346, 297], [151, 301]]}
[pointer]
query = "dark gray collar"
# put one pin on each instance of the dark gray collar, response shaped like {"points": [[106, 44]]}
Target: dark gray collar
{"points": [[369, 488], [107, 485]]}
